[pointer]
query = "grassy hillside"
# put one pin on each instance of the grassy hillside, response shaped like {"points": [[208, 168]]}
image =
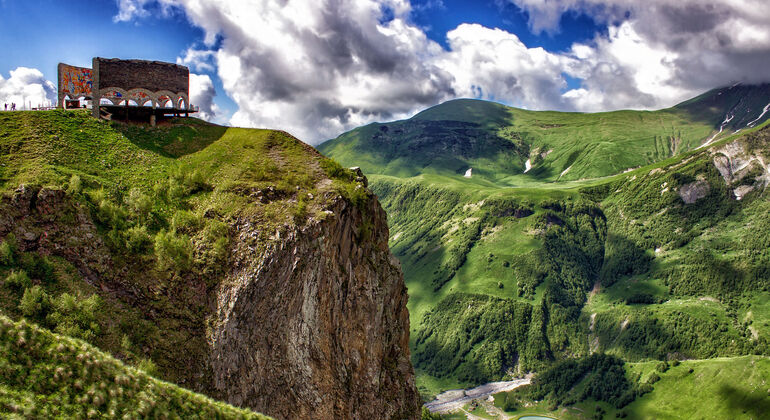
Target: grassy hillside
{"points": [[120, 234], [46, 375], [718, 388], [497, 141], [510, 273], [558, 146]]}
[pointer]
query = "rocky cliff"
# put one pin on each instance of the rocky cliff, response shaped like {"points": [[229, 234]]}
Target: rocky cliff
{"points": [[316, 325], [238, 263]]}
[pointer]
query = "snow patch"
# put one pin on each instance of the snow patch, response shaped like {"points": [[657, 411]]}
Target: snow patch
{"points": [[527, 165], [564, 172], [764, 111], [729, 117], [468, 173]]}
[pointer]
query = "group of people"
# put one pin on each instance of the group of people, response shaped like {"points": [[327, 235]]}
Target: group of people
{"points": [[13, 107]]}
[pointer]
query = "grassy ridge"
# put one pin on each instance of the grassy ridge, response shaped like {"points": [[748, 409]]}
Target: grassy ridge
{"points": [[142, 225], [45, 375], [496, 141]]}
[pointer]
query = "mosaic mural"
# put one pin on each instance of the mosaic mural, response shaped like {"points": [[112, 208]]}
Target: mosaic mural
{"points": [[75, 81]]}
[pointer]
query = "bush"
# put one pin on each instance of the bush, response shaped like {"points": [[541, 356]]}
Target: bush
{"points": [[662, 367], [75, 318], [186, 222], [35, 304], [173, 251], [18, 280], [8, 249], [75, 185], [138, 240], [37, 267], [654, 377], [139, 203]]}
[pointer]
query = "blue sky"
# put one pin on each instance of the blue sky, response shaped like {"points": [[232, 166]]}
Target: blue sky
{"points": [[318, 68]]}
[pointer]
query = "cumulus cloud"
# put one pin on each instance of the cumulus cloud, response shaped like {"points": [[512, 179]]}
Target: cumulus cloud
{"points": [[660, 51], [202, 94], [25, 87], [317, 68]]}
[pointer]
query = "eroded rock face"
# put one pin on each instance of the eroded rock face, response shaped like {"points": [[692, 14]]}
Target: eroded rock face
{"points": [[311, 324], [315, 324], [694, 191], [35, 217]]}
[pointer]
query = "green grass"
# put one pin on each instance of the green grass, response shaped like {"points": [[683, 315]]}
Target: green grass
{"points": [[144, 218], [716, 389], [496, 141], [46, 375], [656, 262]]}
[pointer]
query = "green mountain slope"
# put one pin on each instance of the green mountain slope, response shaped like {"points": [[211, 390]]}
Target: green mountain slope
{"points": [[512, 273], [124, 236], [497, 141], [46, 375]]}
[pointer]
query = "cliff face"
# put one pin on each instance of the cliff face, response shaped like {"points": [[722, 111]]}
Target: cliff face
{"points": [[241, 263], [312, 324], [315, 325]]}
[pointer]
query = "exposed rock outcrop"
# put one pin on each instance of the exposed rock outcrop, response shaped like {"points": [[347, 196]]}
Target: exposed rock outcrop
{"points": [[694, 191], [315, 325], [311, 324]]}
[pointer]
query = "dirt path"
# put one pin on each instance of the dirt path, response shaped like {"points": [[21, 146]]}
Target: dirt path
{"points": [[457, 398]]}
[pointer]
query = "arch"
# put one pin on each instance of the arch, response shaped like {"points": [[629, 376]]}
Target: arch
{"points": [[68, 97], [183, 101], [142, 96], [115, 95]]}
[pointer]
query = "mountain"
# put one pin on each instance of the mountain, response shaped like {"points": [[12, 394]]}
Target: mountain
{"points": [[499, 142], [638, 235], [237, 263]]}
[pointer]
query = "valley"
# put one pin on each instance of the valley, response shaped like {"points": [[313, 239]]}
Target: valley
{"points": [[575, 234]]}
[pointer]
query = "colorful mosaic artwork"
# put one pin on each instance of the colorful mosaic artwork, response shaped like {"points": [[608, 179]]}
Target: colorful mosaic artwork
{"points": [[140, 97], [76, 81]]}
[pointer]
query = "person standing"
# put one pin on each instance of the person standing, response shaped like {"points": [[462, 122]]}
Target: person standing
{"points": [[6, 106], [13, 106]]}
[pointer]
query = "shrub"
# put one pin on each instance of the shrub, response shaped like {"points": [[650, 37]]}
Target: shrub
{"points": [[139, 203], [173, 251], [76, 318], [8, 249], [75, 185], [18, 280], [186, 221], [37, 267], [662, 366], [35, 304], [654, 377], [138, 240]]}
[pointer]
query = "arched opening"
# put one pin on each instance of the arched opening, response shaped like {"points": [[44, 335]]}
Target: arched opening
{"points": [[181, 104], [165, 102], [105, 101], [131, 102]]}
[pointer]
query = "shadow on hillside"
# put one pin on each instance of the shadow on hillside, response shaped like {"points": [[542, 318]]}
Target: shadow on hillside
{"points": [[757, 405], [175, 138]]}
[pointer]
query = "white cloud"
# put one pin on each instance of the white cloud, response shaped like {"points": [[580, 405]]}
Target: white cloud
{"points": [[130, 9], [198, 60], [202, 94], [317, 68], [26, 87]]}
